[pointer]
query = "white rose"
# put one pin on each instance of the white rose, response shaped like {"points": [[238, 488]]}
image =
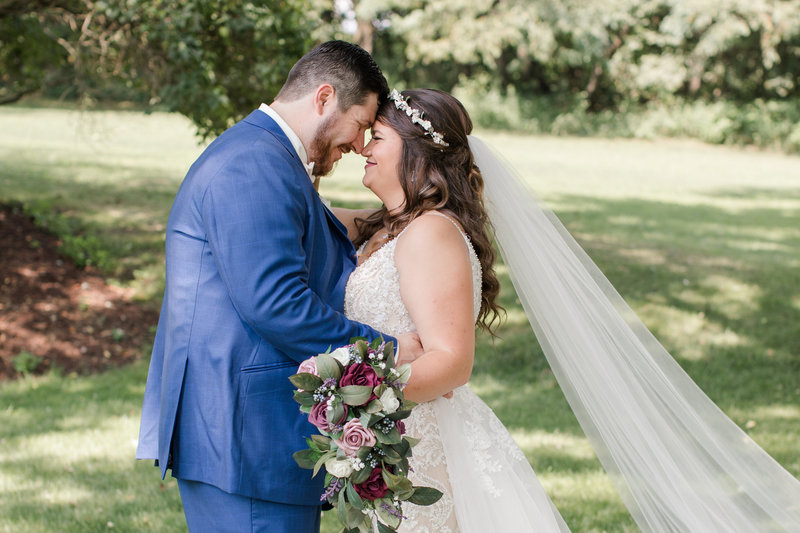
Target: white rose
{"points": [[389, 401], [342, 355], [338, 468]]}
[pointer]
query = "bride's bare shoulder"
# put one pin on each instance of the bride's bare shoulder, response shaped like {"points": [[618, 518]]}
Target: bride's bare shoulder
{"points": [[429, 232]]}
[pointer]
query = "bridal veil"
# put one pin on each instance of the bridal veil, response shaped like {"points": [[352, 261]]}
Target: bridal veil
{"points": [[679, 463]]}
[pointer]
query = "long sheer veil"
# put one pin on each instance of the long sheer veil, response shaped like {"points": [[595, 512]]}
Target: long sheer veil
{"points": [[678, 462]]}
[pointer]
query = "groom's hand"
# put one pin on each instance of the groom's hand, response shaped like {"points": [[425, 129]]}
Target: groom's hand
{"points": [[409, 348]]}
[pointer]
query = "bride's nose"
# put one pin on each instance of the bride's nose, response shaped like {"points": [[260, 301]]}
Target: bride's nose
{"points": [[367, 150]]}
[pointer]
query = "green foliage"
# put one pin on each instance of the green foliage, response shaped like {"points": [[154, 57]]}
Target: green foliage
{"points": [[213, 61], [27, 55], [574, 68], [77, 241], [26, 363]]}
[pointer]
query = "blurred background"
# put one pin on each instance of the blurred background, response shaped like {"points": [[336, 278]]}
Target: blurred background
{"points": [[724, 71], [665, 134]]}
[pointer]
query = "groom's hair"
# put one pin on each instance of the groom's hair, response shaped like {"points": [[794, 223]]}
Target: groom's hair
{"points": [[346, 66]]}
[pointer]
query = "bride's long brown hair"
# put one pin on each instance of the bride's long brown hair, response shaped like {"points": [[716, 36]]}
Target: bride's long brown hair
{"points": [[439, 178]]}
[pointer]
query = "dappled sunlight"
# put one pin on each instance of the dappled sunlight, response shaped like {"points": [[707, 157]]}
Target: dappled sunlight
{"points": [[71, 443], [729, 296], [535, 442], [689, 333]]}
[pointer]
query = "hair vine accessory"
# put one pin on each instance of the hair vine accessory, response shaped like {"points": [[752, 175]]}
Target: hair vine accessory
{"points": [[401, 103]]}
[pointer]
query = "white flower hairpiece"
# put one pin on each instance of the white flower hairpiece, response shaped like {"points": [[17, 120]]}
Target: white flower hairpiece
{"points": [[416, 117]]}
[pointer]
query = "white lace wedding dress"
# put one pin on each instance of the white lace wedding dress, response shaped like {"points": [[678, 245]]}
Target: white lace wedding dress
{"points": [[465, 451]]}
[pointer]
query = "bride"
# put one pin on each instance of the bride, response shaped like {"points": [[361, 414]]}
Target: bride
{"points": [[426, 265]]}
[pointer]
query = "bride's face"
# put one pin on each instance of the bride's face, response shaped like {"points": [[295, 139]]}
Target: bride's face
{"points": [[383, 153]]}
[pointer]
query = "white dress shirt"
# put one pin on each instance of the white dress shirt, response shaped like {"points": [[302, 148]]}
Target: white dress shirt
{"points": [[293, 138]]}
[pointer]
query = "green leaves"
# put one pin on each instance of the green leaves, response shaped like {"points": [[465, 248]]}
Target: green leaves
{"points": [[355, 394], [328, 367], [425, 496], [305, 381]]}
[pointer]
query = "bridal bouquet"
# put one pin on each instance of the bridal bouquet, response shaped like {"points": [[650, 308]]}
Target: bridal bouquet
{"points": [[354, 396]]}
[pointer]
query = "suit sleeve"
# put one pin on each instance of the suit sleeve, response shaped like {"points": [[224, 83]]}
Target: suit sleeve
{"points": [[254, 214]]}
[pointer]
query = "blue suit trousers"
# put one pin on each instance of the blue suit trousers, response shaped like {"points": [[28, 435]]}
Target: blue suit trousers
{"points": [[211, 510]]}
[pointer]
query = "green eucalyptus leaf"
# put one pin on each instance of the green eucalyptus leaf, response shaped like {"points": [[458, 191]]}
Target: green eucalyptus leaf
{"points": [[425, 496], [355, 394], [321, 461], [328, 367], [341, 508], [305, 381], [362, 348], [304, 398], [374, 407], [392, 521], [306, 458], [390, 455], [403, 372], [386, 529], [353, 496], [412, 441], [392, 437], [360, 476], [322, 444]]}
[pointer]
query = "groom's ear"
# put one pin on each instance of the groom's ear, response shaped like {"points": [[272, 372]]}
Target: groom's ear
{"points": [[324, 96]]}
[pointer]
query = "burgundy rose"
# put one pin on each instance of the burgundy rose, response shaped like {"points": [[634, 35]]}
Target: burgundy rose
{"points": [[317, 416], [374, 487], [401, 426], [359, 374]]}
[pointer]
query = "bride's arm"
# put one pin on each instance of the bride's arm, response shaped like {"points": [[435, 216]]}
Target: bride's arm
{"points": [[436, 286], [348, 218]]}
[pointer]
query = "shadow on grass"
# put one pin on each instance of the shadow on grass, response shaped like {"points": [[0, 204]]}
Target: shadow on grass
{"points": [[127, 210], [96, 495]]}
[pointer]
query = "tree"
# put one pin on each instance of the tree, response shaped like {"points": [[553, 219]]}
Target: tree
{"points": [[212, 60]]}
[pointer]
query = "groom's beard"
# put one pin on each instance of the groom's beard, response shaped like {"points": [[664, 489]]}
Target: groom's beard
{"points": [[321, 151]]}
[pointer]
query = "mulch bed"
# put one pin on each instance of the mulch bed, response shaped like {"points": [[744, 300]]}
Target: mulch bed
{"points": [[66, 316]]}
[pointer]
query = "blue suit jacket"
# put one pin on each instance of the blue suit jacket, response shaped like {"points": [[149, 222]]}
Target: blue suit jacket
{"points": [[256, 268]]}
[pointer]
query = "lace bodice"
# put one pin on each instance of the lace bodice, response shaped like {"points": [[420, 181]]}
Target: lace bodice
{"points": [[373, 290]]}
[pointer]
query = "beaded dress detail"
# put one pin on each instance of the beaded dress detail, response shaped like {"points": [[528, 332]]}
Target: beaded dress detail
{"points": [[476, 440]]}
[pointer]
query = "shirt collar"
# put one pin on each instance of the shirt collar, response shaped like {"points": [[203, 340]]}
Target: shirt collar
{"points": [[293, 138]]}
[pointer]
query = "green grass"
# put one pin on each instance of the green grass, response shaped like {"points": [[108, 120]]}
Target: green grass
{"points": [[701, 241]]}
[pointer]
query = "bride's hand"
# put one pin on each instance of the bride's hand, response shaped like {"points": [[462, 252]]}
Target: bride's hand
{"points": [[410, 348]]}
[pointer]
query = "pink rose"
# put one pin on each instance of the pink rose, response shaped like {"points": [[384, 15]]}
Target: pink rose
{"points": [[309, 366], [374, 487], [354, 436]]}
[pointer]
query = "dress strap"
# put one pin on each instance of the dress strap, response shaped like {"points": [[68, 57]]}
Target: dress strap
{"points": [[453, 221]]}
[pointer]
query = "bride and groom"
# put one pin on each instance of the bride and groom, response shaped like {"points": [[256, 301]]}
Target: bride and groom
{"points": [[260, 275]]}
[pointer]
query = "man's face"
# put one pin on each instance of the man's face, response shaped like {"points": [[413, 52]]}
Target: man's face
{"points": [[340, 133]]}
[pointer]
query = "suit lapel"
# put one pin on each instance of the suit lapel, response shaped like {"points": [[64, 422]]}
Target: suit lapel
{"points": [[264, 121]]}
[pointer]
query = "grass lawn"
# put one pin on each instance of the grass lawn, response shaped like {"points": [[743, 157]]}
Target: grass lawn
{"points": [[702, 241]]}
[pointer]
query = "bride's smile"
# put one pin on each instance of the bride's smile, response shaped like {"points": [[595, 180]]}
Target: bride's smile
{"points": [[383, 153]]}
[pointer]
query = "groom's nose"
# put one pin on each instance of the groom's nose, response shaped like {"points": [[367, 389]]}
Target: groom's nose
{"points": [[358, 144]]}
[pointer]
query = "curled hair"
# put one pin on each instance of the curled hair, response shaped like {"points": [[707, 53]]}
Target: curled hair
{"points": [[439, 178], [346, 66]]}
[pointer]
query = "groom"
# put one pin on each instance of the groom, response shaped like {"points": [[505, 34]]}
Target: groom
{"points": [[256, 268]]}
